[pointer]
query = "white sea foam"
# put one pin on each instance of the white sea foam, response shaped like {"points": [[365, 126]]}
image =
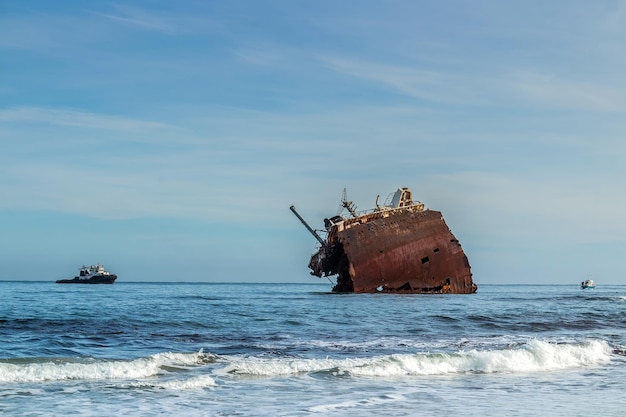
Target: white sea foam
{"points": [[407, 343], [360, 403], [282, 366], [197, 382], [99, 369], [534, 356]]}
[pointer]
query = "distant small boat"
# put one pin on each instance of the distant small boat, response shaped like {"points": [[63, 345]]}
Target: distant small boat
{"points": [[587, 284], [93, 274]]}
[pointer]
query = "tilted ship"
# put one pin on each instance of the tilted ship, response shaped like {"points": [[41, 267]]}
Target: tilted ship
{"points": [[399, 247]]}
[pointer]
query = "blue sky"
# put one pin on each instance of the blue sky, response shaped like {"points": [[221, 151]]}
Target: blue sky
{"points": [[167, 140]]}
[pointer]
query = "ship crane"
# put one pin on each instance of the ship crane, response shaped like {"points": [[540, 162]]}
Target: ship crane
{"points": [[309, 228]]}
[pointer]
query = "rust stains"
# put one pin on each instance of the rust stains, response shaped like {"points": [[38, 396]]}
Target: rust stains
{"points": [[396, 248]]}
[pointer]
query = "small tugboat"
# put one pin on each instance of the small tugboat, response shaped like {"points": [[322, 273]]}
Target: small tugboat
{"points": [[93, 274], [587, 284]]}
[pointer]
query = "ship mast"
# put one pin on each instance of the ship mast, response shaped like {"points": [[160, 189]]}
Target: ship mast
{"points": [[349, 205]]}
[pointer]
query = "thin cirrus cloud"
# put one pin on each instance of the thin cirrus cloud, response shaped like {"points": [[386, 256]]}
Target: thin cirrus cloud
{"points": [[417, 83], [454, 88], [140, 19], [76, 118]]}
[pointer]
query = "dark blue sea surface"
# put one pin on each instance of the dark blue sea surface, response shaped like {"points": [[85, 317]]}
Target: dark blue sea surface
{"points": [[299, 350]]}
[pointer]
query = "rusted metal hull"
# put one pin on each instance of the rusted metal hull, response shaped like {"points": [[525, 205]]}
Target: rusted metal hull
{"points": [[398, 251]]}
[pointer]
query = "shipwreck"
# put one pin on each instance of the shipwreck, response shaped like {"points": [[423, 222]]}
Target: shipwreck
{"points": [[397, 247]]}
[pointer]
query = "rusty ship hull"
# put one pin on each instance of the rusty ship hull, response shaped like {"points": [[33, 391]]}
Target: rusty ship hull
{"points": [[401, 248]]}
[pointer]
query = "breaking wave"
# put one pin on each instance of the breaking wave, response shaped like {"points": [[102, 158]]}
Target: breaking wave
{"points": [[534, 356], [91, 369], [170, 368]]}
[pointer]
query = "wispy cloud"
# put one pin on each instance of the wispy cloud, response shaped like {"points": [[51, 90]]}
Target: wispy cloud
{"points": [[77, 118], [557, 92], [140, 18], [414, 82], [259, 56], [508, 86], [228, 168]]}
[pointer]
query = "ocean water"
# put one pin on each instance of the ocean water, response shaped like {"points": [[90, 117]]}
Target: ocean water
{"points": [[298, 350]]}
